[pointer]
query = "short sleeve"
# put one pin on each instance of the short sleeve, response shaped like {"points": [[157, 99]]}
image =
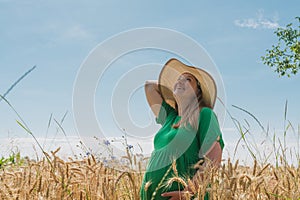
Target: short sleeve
{"points": [[164, 113], [209, 131]]}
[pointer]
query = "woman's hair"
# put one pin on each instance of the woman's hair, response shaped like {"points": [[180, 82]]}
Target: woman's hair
{"points": [[191, 114]]}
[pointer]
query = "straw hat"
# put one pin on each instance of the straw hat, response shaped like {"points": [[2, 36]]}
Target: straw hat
{"points": [[170, 74]]}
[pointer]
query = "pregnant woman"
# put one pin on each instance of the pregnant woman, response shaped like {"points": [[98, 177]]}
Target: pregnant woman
{"points": [[182, 101]]}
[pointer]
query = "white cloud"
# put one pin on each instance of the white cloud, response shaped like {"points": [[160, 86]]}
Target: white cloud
{"points": [[67, 31], [260, 21], [76, 32]]}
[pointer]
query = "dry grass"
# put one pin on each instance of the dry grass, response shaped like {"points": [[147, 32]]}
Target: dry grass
{"points": [[89, 179], [85, 179]]}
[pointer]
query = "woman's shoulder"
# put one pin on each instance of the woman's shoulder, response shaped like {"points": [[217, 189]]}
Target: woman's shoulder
{"points": [[207, 115], [206, 111]]}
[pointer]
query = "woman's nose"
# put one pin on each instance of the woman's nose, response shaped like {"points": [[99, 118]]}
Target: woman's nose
{"points": [[181, 80]]}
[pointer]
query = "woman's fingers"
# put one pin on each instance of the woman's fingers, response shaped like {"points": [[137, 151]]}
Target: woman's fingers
{"points": [[174, 195]]}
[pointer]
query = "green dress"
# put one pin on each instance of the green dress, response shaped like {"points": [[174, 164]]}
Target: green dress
{"points": [[183, 144]]}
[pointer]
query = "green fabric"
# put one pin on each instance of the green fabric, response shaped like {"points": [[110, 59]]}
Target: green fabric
{"points": [[184, 144]]}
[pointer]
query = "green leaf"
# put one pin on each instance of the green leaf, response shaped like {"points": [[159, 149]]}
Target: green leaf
{"points": [[26, 129], [285, 56]]}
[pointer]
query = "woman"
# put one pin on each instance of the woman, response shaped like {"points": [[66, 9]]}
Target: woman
{"points": [[182, 101]]}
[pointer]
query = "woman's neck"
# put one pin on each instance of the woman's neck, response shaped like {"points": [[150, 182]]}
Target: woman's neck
{"points": [[182, 106]]}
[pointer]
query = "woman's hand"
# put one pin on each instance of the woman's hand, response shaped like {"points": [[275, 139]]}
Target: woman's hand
{"points": [[176, 195]]}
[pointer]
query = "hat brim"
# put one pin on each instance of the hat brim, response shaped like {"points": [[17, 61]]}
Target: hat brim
{"points": [[170, 74]]}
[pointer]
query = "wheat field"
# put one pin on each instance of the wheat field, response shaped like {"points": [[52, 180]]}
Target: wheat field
{"points": [[54, 178]]}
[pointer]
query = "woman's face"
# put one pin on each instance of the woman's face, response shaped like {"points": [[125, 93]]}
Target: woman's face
{"points": [[185, 86]]}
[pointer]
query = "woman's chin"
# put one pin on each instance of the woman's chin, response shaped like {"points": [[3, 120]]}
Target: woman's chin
{"points": [[179, 95]]}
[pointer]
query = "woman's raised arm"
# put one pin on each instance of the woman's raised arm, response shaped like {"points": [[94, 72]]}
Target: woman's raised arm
{"points": [[153, 96]]}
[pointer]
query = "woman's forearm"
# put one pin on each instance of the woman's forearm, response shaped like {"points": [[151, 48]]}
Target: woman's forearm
{"points": [[153, 96], [212, 160]]}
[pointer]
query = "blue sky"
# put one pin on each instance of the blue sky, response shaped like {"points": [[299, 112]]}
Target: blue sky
{"points": [[57, 36]]}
